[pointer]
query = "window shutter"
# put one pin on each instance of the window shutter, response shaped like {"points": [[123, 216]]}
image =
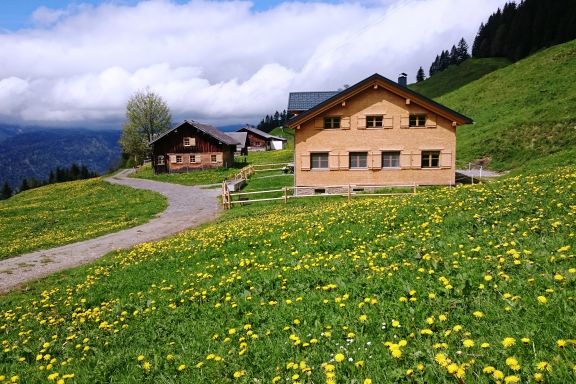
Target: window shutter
{"points": [[333, 160], [305, 162], [219, 158], [361, 122], [405, 160], [345, 122], [431, 121], [173, 158], [388, 122], [319, 123], [344, 162], [445, 159], [375, 160], [404, 121]]}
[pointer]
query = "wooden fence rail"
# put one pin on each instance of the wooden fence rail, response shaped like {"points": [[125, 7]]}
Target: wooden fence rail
{"points": [[228, 196]]}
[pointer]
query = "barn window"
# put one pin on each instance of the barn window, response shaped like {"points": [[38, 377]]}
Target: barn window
{"points": [[430, 159], [160, 160], [179, 159], [332, 122], [213, 158], [319, 160], [189, 141], [391, 159], [192, 159], [417, 120], [358, 160], [374, 121]]}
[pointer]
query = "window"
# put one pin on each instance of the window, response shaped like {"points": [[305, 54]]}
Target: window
{"points": [[160, 160], [358, 160], [213, 158], [417, 120], [192, 159], [179, 159], [331, 122], [374, 121], [318, 161], [189, 141], [430, 159], [391, 159]]}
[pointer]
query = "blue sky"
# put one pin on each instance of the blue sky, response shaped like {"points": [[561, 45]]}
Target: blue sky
{"points": [[16, 14], [220, 62]]}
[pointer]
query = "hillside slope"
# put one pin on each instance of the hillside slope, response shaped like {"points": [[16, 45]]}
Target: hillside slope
{"points": [[455, 77], [523, 112], [35, 153]]}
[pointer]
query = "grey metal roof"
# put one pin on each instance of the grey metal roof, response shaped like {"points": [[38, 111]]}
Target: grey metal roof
{"points": [[303, 101], [208, 129], [261, 133], [240, 137]]}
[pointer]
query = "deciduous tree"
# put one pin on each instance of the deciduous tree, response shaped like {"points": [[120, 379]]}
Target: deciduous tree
{"points": [[147, 116]]}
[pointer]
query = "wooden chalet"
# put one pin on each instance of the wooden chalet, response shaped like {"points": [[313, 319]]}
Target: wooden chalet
{"points": [[374, 133], [190, 146], [261, 141]]}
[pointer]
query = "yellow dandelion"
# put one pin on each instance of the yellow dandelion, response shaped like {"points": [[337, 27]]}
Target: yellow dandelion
{"points": [[339, 357], [508, 342]]}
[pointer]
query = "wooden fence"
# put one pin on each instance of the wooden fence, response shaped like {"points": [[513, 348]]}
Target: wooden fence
{"points": [[230, 198]]}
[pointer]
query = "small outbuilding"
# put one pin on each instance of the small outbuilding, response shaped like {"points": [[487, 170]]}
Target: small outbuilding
{"points": [[192, 145], [261, 141]]}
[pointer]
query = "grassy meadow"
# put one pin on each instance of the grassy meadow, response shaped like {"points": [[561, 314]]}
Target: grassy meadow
{"points": [[524, 113], [455, 77], [469, 284], [63, 213]]}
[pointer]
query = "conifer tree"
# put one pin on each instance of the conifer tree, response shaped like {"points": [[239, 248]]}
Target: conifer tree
{"points": [[6, 192], [420, 76]]}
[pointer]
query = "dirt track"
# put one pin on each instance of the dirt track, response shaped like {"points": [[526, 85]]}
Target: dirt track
{"points": [[187, 207]]}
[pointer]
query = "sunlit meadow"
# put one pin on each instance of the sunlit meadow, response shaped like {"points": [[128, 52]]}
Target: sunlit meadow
{"points": [[64, 213], [473, 284]]}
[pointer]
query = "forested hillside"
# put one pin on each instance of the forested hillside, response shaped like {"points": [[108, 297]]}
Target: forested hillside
{"points": [[33, 154]]}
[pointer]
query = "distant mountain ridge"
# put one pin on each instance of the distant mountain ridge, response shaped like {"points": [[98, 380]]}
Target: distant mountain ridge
{"points": [[34, 153]]}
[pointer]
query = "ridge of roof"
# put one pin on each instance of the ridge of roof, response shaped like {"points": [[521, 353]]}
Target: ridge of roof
{"points": [[208, 129], [393, 85]]}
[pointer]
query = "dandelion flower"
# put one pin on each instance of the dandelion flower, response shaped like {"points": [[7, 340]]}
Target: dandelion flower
{"points": [[339, 357], [508, 342]]}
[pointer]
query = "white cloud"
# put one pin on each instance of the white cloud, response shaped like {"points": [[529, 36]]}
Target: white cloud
{"points": [[219, 62]]}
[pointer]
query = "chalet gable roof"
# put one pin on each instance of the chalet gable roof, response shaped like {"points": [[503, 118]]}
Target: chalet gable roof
{"points": [[208, 129], [392, 86]]}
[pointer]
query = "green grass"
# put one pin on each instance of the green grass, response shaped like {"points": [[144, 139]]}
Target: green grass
{"points": [[524, 113], [455, 77], [64, 213], [402, 289], [199, 177]]}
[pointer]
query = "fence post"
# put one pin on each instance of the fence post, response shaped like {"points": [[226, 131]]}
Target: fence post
{"points": [[224, 203], [414, 188], [349, 191], [285, 195]]}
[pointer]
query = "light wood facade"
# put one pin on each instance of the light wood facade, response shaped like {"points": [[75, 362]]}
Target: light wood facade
{"points": [[376, 133]]}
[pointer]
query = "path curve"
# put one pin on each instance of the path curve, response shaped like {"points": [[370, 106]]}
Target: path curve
{"points": [[187, 207]]}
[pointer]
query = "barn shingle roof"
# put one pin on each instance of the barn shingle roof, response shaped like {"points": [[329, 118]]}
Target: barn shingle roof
{"points": [[208, 129]]}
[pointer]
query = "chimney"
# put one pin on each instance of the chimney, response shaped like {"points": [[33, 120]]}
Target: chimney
{"points": [[402, 80]]}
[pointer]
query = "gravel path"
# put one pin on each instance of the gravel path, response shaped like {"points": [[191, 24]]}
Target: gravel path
{"points": [[187, 207]]}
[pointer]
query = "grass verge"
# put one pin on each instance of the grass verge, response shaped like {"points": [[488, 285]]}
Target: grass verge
{"points": [[64, 213]]}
